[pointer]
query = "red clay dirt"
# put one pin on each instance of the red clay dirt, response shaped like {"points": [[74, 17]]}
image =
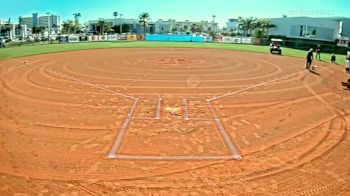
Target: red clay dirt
{"points": [[153, 121]]}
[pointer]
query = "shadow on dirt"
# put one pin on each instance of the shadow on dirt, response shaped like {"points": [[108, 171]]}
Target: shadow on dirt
{"points": [[314, 72], [346, 85]]}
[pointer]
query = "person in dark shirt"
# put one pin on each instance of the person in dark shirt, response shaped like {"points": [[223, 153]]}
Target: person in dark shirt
{"points": [[347, 66], [333, 58], [309, 58], [318, 53], [1, 44]]}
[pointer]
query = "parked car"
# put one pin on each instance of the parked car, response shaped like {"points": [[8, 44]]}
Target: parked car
{"points": [[275, 46]]}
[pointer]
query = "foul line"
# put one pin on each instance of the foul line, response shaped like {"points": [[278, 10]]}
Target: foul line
{"points": [[119, 139], [93, 85], [251, 87], [120, 136]]}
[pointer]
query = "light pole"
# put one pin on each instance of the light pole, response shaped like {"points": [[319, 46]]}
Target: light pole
{"points": [[213, 24], [121, 24], [48, 27]]}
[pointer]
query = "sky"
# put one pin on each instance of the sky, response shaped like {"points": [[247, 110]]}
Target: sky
{"points": [[193, 10]]}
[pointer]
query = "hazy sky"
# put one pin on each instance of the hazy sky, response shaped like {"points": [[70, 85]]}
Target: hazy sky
{"points": [[194, 10]]}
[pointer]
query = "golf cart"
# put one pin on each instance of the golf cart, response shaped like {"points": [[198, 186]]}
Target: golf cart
{"points": [[275, 46]]}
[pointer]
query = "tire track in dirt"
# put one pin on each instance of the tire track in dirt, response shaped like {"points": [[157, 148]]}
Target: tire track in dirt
{"points": [[286, 155]]}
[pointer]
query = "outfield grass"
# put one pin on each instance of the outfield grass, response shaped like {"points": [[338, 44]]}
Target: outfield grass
{"points": [[13, 52]]}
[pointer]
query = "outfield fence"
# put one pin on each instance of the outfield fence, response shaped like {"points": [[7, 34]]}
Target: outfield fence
{"points": [[98, 38]]}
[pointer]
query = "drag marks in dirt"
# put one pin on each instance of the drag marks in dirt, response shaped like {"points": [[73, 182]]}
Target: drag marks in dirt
{"points": [[140, 124], [123, 130]]}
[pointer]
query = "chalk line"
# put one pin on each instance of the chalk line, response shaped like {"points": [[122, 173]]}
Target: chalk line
{"points": [[93, 85], [224, 133], [122, 131], [254, 86]]}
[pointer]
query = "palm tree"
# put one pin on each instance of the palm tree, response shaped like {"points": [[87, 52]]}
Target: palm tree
{"points": [[68, 26], [247, 24], [8, 27], [185, 28], [55, 27], [20, 27], [115, 14], [76, 21], [101, 23], [144, 18], [196, 28], [38, 30], [104, 26], [267, 24]]}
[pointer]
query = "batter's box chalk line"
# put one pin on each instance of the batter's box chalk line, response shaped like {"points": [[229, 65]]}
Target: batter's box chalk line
{"points": [[157, 113], [113, 154]]}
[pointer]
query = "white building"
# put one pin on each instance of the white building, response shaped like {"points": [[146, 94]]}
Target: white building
{"points": [[232, 25], [2, 21], [323, 29], [134, 25], [160, 26], [54, 21]]}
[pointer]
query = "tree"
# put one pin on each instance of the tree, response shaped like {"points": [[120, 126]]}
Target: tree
{"points": [[85, 27], [20, 26], [196, 28], [247, 24], [38, 30], [259, 33], [115, 14], [67, 27], [77, 26], [262, 28], [100, 24], [6, 28], [125, 28], [267, 24], [144, 18], [103, 26], [55, 27], [186, 28]]}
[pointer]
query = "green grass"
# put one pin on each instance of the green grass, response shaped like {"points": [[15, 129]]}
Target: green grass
{"points": [[13, 52]]}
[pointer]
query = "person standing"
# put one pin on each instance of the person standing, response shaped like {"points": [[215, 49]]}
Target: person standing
{"points": [[309, 58], [318, 53], [333, 58], [347, 67]]}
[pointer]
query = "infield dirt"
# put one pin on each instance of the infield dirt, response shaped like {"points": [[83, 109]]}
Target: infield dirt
{"points": [[62, 114]]}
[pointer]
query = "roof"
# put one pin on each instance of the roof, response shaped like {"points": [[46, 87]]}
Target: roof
{"points": [[276, 40]]}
